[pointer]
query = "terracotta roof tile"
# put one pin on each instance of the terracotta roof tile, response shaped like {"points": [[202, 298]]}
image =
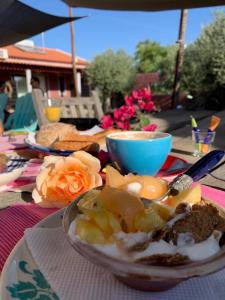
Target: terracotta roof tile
{"points": [[42, 55]]}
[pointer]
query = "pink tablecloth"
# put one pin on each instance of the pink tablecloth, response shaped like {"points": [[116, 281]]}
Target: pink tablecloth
{"points": [[13, 143], [15, 219]]}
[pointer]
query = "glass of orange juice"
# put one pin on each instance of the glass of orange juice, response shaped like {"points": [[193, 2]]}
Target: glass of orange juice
{"points": [[53, 110]]}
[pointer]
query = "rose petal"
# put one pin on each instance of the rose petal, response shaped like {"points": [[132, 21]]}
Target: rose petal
{"points": [[89, 160], [98, 180], [63, 179], [70, 163], [41, 177], [39, 200], [51, 159]]}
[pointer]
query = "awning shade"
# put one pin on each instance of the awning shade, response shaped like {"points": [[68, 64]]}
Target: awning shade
{"points": [[144, 5], [19, 21]]}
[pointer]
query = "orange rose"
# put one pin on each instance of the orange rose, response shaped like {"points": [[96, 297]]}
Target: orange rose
{"points": [[62, 179]]}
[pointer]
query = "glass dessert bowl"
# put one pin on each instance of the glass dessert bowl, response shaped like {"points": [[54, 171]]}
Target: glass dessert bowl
{"points": [[174, 250]]}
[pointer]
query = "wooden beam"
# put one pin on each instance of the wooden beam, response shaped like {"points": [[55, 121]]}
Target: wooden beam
{"points": [[180, 57], [73, 52]]}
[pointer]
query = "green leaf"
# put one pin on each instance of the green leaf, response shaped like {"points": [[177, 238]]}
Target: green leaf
{"points": [[51, 296], [40, 280], [23, 267], [55, 297], [43, 297], [23, 290], [144, 120]]}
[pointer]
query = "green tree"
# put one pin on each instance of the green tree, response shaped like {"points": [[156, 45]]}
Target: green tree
{"points": [[148, 56], [167, 68], [204, 66], [111, 72]]}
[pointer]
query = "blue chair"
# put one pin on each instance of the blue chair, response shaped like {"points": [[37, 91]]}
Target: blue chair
{"points": [[24, 116], [3, 103]]}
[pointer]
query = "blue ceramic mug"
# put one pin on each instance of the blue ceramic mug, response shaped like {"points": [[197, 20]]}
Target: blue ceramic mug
{"points": [[139, 152]]}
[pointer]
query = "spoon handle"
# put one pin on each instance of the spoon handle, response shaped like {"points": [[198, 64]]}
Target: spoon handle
{"points": [[205, 164]]}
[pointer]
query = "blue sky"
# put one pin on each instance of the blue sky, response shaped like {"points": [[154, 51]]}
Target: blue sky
{"points": [[117, 30]]}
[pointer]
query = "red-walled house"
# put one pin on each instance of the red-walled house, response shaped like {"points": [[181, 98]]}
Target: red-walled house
{"points": [[53, 67]]}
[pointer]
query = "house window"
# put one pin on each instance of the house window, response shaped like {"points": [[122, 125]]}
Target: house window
{"points": [[62, 86]]}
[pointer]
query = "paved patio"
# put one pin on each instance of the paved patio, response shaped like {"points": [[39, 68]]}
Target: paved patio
{"points": [[177, 122]]}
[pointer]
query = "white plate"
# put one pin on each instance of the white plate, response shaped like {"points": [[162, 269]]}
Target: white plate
{"points": [[20, 273]]}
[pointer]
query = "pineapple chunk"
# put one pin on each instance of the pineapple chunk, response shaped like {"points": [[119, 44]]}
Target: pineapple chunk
{"points": [[89, 200], [123, 205], [89, 232], [101, 219], [164, 211], [191, 196], [148, 220], [113, 222], [105, 220]]}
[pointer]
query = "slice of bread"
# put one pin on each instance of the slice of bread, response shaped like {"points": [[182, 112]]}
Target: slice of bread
{"points": [[52, 132], [76, 146]]}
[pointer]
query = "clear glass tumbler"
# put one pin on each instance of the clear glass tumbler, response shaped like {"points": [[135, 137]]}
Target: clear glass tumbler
{"points": [[53, 110], [202, 140]]}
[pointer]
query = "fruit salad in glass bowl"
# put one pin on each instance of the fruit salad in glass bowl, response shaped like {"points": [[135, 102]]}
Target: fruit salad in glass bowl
{"points": [[149, 247]]}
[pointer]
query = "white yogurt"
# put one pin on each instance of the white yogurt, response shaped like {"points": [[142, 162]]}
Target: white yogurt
{"points": [[133, 188], [202, 250], [131, 239], [160, 247], [185, 245]]}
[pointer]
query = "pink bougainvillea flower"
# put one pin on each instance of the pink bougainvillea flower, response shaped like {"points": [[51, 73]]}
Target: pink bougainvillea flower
{"points": [[138, 102], [149, 106], [106, 122], [129, 100], [150, 127], [125, 112], [132, 110], [136, 94], [117, 114], [128, 111], [141, 104], [146, 94], [123, 125]]}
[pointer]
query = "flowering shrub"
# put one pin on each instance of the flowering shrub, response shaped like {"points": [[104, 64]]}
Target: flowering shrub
{"points": [[133, 114]]}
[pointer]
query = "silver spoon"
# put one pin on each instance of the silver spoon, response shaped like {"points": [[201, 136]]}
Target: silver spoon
{"points": [[194, 173]]}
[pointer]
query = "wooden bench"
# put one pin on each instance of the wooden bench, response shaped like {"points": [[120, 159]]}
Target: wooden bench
{"points": [[79, 107]]}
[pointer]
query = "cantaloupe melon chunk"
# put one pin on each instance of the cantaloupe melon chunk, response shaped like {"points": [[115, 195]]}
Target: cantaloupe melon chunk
{"points": [[152, 187], [116, 180], [191, 196], [113, 177]]}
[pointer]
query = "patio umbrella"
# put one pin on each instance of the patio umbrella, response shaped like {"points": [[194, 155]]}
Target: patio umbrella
{"points": [[144, 5], [19, 21]]}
